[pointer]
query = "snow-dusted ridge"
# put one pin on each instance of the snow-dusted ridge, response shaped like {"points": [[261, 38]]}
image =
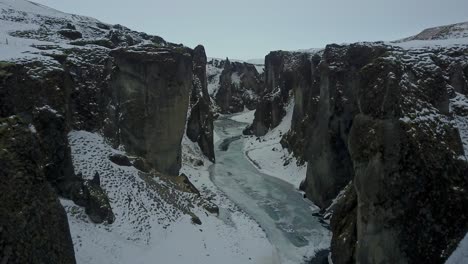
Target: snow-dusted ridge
{"points": [[32, 31]]}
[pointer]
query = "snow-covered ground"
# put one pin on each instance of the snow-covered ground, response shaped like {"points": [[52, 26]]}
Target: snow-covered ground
{"points": [[460, 255], [151, 220], [267, 154]]}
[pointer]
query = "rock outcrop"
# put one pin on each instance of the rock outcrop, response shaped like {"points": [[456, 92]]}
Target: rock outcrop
{"points": [[285, 72], [151, 90], [234, 85], [128, 86], [33, 224], [388, 120], [200, 120]]}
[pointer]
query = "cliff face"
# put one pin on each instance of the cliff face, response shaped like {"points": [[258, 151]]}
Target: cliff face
{"points": [[372, 117], [285, 73], [151, 94], [81, 74], [33, 223], [234, 85], [386, 121], [200, 121]]}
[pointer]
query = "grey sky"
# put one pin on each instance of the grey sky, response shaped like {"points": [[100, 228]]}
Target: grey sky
{"points": [[245, 29]]}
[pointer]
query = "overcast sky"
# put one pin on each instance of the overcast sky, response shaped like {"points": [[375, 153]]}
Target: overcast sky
{"points": [[244, 29]]}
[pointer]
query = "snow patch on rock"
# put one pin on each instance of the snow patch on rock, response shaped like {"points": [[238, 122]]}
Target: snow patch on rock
{"points": [[269, 155]]}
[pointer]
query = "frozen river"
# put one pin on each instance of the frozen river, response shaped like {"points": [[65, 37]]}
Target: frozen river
{"points": [[275, 204]]}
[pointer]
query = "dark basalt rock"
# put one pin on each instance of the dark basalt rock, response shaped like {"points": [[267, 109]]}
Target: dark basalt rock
{"points": [[52, 133], [285, 72], [33, 224], [141, 165], [200, 121], [70, 34], [240, 86], [120, 160], [363, 116], [151, 88], [343, 224], [97, 203]]}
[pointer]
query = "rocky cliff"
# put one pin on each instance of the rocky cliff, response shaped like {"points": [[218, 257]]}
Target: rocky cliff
{"points": [[234, 85], [76, 73], [200, 120], [389, 122], [285, 73], [33, 223]]}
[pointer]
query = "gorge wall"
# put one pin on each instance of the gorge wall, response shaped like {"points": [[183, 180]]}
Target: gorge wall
{"points": [[234, 85], [133, 88], [384, 122]]}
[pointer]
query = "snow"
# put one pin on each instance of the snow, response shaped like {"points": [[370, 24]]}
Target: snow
{"points": [[414, 44], [461, 101], [213, 73], [152, 226], [267, 154], [236, 79], [244, 117], [460, 255], [245, 234]]}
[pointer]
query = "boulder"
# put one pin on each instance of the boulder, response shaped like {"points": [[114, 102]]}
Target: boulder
{"points": [[70, 34], [97, 206], [120, 160]]}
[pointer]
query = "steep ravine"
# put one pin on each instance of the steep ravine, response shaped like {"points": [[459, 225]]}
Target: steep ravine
{"points": [[276, 205], [93, 119]]}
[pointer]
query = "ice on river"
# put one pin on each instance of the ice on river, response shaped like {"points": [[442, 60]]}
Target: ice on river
{"points": [[275, 204]]}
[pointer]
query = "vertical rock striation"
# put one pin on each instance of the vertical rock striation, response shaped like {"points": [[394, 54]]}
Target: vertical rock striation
{"points": [[200, 120], [285, 72], [238, 85], [151, 92], [385, 122]]}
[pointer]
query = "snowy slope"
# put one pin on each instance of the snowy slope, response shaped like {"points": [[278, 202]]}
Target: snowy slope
{"points": [[443, 36], [454, 31], [33, 31], [153, 220]]}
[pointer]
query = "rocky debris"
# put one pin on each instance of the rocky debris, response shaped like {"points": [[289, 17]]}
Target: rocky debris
{"points": [[33, 224], [200, 120], [196, 220], [120, 159], [211, 208], [186, 185], [382, 116], [234, 85]]}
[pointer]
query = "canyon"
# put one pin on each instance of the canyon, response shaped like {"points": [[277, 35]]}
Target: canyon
{"points": [[121, 147]]}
